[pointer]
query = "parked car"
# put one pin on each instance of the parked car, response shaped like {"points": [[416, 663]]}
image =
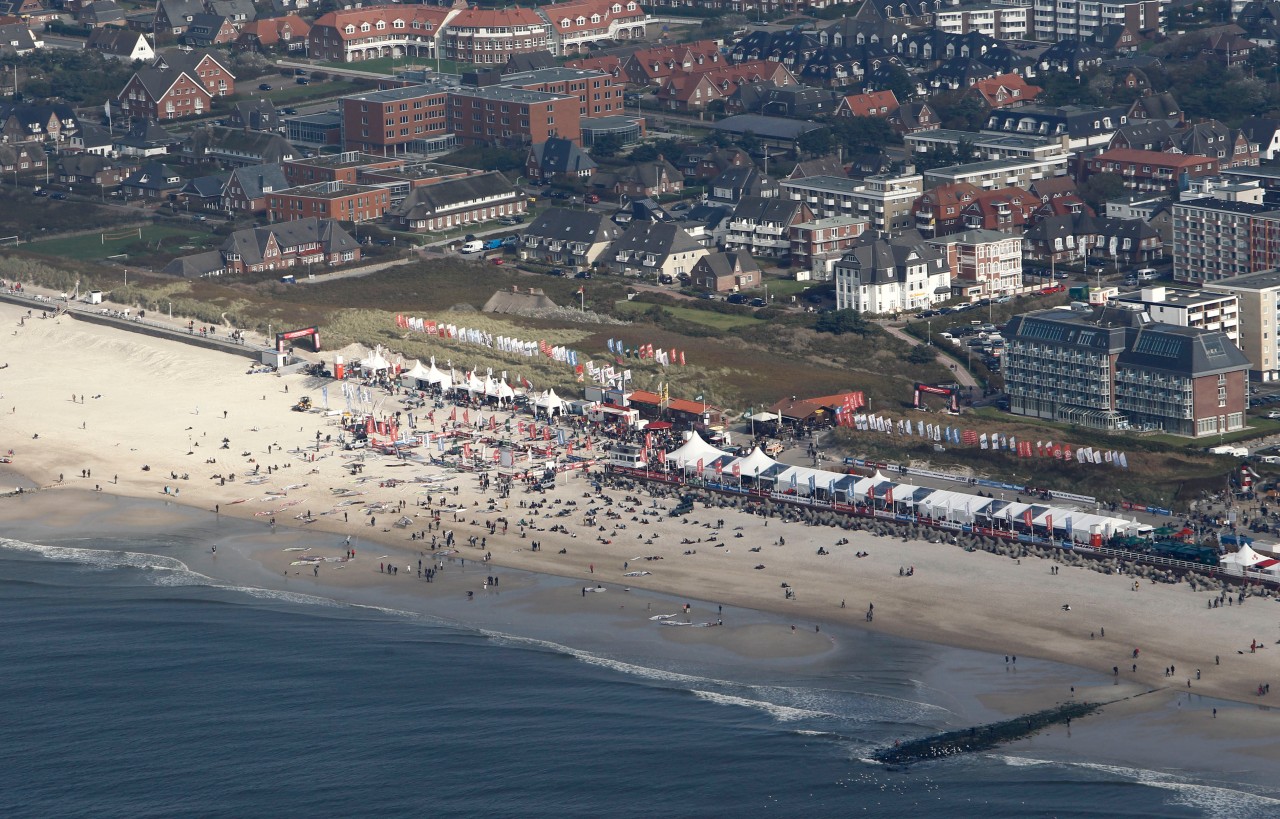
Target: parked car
{"points": [[680, 206], [266, 86], [59, 195], [758, 302], [39, 192], [556, 271], [497, 260], [736, 298], [593, 198], [584, 274], [303, 81], [289, 112]]}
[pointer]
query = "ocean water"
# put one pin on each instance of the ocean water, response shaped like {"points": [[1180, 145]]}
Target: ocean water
{"points": [[136, 687]]}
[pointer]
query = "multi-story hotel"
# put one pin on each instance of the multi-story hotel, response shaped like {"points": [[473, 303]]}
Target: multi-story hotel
{"points": [[884, 200], [1231, 233]]}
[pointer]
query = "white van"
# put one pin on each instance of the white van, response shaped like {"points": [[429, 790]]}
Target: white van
{"points": [[474, 246], [1147, 274]]}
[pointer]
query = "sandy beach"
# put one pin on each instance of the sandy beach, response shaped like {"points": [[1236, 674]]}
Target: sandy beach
{"points": [[85, 407]]}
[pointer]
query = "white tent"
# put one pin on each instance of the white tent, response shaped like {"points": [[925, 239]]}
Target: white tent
{"points": [[550, 403], [416, 373], [693, 450], [496, 388], [374, 363], [1237, 562], [474, 385], [755, 463], [436, 376]]}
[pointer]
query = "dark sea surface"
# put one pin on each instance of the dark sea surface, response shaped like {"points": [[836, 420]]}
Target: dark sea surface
{"points": [[136, 687]]}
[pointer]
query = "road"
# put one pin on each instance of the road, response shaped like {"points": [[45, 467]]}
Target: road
{"points": [[963, 377]]}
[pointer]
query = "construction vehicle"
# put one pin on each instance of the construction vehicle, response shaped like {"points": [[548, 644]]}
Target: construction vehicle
{"points": [[303, 405]]}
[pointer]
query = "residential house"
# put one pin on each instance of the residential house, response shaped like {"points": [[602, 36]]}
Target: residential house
{"points": [[152, 180], [730, 187], [696, 90], [23, 158], [102, 13], [662, 251], [1144, 135], [798, 101], [1076, 236], [1005, 210], [938, 211], [1004, 91], [914, 117], [234, 146], [574, 238], [1084, 126], [816, 244], [121, 43], [1228, 47], [558, 159], [829, 165], [145, 137], [17, 39], [1157, 106], [176, 86], [529, 61], [1073, 57], [90, 169], [728, 272], [704, 162], [871, 104], [173, 16], [888, 277], [650, 66], [203, 193], [47, 123], [1230, 146], [762, 226], [649, 179], [255, 115], [1265, 133], [93, 139], [275, 247], [287, 33], [462, 201], [207, 30], [247, 188], [988, 263]]}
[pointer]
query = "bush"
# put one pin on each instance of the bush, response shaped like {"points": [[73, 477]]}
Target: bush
{"points": [[839, 322], [319, 76]]}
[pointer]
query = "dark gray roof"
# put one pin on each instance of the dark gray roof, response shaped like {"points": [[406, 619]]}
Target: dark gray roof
{"points": [[237, 10], [560, 156], [563, 224], [34, 119], [1187, 351], [880, 261], [196, 265], [533, 61], [258, 180], [251, 242], [767, 210], [147, 133], [431, 199], [1145, 134], [207, 187], [1073, 120], [113, 39], [767, 127], [659, 238], [154, 176], [256, 115]]}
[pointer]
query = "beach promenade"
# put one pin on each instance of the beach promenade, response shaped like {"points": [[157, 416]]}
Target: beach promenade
{"points": [[86, 406]]}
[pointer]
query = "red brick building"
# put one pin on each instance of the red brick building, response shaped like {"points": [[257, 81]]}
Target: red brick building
{"points": [[329, 200], [599, 94], [353, 35], [176, 86], [344, 167], [1150, 171], [384, 121]]}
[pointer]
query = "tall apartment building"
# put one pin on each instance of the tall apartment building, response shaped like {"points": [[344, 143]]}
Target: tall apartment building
{"points": [[1200, 309], [1229, 234], [1000, 173], [1003, 22], [884, 200], [1113, 368], [1258, 295], [599, 94], [1055, 20]]}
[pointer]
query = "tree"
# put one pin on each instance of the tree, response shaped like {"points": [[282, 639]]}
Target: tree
{"points": [[750, 143], [861, 134], [816, 143], [606, 146], [643, 153], [921, 354], [1101, 188], [840, 322], [897, 80]]}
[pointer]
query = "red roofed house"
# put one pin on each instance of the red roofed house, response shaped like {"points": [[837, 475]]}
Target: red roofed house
{"points": [[381, 31], [694, 91], [938, 211], [683, 412], [649, 66], [1005, 91], [608, 65], [1150, 171], [288, 33], [872, 104], [1006, 210]]}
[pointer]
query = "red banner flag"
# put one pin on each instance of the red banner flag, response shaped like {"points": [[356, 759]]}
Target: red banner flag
{"points": [[1048, 524], [546, 433], [466, 450], [737, 470], [1026, 517], [662, 456], [453, 416], [699, 466], [493, 422], [466, 417], [888, 497], [719, 468], [682, 358]]}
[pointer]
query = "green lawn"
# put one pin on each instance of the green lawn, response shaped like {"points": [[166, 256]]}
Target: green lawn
{"points": [[285, 90], [718, 321], [92, 247], [390, 65]]}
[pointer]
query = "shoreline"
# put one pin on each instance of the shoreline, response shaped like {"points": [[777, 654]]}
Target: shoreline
{"points": [[144, 403]]}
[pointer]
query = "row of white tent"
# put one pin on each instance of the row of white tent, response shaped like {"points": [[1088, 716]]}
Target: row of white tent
{"points": [[419, 377], [764, 472], [1247, 560]]}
